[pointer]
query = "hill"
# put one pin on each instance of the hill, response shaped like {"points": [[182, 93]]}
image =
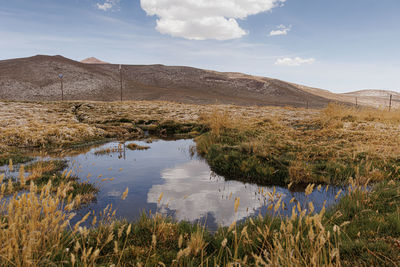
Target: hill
{"points": [[36, 79], [374, 98]]}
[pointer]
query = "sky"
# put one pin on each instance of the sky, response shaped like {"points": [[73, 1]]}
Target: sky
{"points": [[339, 45]]}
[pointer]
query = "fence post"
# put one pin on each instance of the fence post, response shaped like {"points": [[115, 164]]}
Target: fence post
{"points": [[62, 86], [120, 78], [390, 102]]}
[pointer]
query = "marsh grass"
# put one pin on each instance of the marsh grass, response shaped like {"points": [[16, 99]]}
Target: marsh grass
{"points": [[133, 146], [327, 148], [41, 173], [106, 151], [16, 157], [256, 144], [38, 225], [66, 124], [36, 231], [40, 168], [370, 225]]}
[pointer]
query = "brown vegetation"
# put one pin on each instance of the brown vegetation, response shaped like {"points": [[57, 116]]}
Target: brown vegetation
{"points": [[36, 78], [322, 147], [338, 144]]}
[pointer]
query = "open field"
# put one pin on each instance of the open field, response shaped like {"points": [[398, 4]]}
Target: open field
{"points": [[355, 147]]}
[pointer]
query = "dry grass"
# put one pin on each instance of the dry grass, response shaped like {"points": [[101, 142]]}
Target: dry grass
{"points": [[133, 146], [220, 120], [36, 231], [322, 146], [32, 226], [39, 168], [303, 240], [312, 145], [106, 151], [28, 124], [351, 113], [325, 147]]}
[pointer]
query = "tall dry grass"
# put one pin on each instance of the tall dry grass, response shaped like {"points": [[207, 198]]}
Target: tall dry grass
{"points": [[36, 230], [32, 226], [219, 120], [338, 111]]}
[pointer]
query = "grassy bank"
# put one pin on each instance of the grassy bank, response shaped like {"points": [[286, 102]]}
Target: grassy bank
{"points": [[15, 156], [338, 143], [362, 230], [370, 225], [43, 237], [42, 173]]}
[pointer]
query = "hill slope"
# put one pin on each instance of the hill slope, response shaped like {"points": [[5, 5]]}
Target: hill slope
{"points": [[36, 78], [373, 98]]}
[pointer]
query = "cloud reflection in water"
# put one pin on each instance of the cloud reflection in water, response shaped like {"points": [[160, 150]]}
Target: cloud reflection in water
{"points": [[193, 192]]}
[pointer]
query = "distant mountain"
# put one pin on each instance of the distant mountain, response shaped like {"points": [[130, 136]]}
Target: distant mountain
{"points": [[374, 93], [36, 78], [93, 60], [374, 98]]}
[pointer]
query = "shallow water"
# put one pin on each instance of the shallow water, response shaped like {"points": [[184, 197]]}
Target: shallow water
{"points": [[191, 191]]}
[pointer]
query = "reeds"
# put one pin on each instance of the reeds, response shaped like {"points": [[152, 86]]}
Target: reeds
{"points": [[32, 225], [36, 230]]}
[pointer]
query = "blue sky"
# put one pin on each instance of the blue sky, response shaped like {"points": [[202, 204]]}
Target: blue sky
{"points": [[339, 45]]}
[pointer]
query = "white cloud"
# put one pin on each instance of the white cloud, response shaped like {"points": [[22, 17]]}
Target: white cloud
{"points": [[107, 5], [281, 30], [296, 61], [204, 19]]}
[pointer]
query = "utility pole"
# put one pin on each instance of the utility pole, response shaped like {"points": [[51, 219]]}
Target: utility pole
{"points": [[62, 87], [390, 102], [120, 78]]}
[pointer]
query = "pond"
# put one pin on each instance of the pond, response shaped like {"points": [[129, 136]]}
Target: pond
{"points": [[189, 190]]}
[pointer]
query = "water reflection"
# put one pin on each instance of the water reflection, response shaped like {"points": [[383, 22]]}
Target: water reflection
{"points": [[190, 190], [194, 192]]}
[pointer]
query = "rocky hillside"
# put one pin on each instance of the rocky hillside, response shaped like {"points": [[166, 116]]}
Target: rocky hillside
{"points": [[36, 78]]}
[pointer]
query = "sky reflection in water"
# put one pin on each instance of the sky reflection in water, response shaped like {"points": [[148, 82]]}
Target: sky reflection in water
{"points": [[190, 190]]}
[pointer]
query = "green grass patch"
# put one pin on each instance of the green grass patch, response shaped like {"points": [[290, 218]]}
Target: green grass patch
{"points": [[371, 225], [16, 158], [41, 172], [271, 154]]}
